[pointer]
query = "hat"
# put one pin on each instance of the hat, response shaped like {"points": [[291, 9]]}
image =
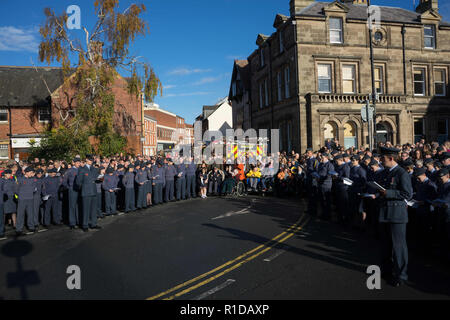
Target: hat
{"points": [[89, 157], [375, 155], [366, 157], [120, 166], [346, 155], [325, 155], [137, 164], [109, 170], [374, 162], [77, 160], [389, 151], [29, 169], [420, 171], [442, 172], [440, 148], [131, 166], [53, 170], [355, 158], [39, 171], [339, 156], [169, 160], [428, 161], [408, 162], [439, 165]]}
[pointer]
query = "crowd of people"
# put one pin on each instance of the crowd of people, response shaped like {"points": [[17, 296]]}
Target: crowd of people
{"points": [[352, 186]]}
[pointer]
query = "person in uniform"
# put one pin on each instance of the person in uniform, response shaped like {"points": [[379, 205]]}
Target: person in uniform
{"points": [[140, 179], [9, 191], [359, 178], [98, 186], [393, 217], [181, 180], [120, 196], [343, 171], [215, 180], [128, 182], [69, 183], [325, 185], [37, 198], [191, 179], [431, 170], [148, 184], [50, 190], [25, 190], [311, 166], [169, 174], [442, 205], [85, 181], [109, 186], [158, 184]]}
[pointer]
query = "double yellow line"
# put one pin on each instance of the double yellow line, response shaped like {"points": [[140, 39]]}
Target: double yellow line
{"points": [[239, 262]]}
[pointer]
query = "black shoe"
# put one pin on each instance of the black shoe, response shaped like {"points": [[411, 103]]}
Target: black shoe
{"points": [[95, 228], [72, 227], [31, 231], [397, 283], [85, 230], [19, 233]]}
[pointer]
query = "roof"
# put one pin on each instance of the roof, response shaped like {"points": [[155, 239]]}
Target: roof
{"points": [[24, 87], [359, 12]]}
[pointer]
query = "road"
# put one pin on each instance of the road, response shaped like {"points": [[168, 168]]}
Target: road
{"points": [[217, 248]]}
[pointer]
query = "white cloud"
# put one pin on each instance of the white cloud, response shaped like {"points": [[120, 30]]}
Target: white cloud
{"points": [[189, 94], [17, 39], [187, 71], [207, 80], [170, 86]]}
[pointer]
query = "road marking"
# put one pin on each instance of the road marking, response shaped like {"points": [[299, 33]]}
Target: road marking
{"points": [[232, 213], [276, 254], [290, 231], [214, 290]]}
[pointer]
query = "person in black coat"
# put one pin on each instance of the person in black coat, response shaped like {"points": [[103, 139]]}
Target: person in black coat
{"points": [[393, 217], [9, 191], [325, 184], [359, 178], [341, 189]]}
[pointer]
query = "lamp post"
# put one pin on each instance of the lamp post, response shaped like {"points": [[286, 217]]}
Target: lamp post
{"points": [[372, 70]]}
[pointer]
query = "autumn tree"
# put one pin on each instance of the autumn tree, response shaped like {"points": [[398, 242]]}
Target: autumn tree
{"points": [[99, 55]]}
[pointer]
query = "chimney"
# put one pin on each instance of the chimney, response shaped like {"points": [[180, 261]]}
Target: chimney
{"points": [[425, 5], [298, 5]]}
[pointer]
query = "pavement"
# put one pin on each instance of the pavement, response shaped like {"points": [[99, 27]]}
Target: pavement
{"points": [[209, 249]]}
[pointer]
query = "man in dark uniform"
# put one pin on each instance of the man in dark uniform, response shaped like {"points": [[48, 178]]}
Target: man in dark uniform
{"points": [[181, 180], [169, 173], [343, 171], [312, 186], [128, 182], [158, 183], [325, 184], [69, 183], [26, 189], [431, 171], [191, 179], [85, 181], [120, 196], [37, 198], [393, 216], [109, 186], [50, 190], [140, 179], [446, 160], [442, 204], [359, 178], [148, 184]]}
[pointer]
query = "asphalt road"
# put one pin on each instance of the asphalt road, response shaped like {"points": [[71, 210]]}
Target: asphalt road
{"points": [[217, 248]]}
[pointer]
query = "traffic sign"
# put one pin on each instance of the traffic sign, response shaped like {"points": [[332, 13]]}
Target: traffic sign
{"points": [[365, 112]]}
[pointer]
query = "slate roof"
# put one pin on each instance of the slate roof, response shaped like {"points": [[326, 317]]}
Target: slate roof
{"points": [[23, 86], [359, 12]]}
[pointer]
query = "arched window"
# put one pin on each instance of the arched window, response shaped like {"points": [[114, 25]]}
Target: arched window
{"points": [[330, 131], [350, 135]]}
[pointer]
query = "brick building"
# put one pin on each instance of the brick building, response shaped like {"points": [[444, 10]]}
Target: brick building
{"points": [[150, 137], [310, 78], [28, 107]]}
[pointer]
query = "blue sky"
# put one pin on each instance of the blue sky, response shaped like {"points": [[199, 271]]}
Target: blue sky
{"points": [[191, 45]]}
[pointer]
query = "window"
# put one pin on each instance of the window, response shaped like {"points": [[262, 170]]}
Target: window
{"points": [[279, 85], [419, 129], [4, 153], [429, 36], [419, 81], [45, 114], [324, 72], [281, 41], [261, 103], [261, 54], [287, 82], [348, 79], [3, 115], [233, 86], [379, 77], [442, 130], [440, 83], [266, 92], [336, 30]]}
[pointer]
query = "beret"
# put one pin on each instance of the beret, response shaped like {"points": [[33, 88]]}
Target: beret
{"points": [[29, 169], [53, 170], [419, 172], [89, 157], [428, 161], [120, 166], [39, 170], [374, 162], [442, 172], [130, 166], [389, 151], [109, 170], [339, 156], [76, 160], [376, 155], [346, 155], [366, 157], [438, 165], [355, 158]]}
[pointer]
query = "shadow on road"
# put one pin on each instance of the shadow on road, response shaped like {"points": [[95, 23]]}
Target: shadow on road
{"points": [[21, 278]]}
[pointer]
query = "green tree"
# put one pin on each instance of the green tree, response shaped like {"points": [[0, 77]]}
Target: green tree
{"points": [[101, 54]]}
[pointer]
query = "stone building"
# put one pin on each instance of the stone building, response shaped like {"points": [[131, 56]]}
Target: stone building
{"points": [[310, 78]]}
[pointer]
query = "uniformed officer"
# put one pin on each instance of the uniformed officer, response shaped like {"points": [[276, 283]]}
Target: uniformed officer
{"points": [[120, 196], [148, 183], [181, 180], [69, 183], [169, 174], [109, 186], [9, 191], [50, 190], [25, 190], [325, 184], [443, 210], [343, 171], [191, 179], [446, 160], [312, 186], [37, 197], [128, 183], [393, 216], [141, 180], [98, 186], [158, 177], [359, 178], [85, 181]]}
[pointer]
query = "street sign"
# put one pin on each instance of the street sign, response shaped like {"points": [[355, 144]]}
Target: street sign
{"points": [[365, 112]]}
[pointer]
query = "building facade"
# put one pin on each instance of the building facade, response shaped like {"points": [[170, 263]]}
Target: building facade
{"points": [[311, 77], [150, 137]]}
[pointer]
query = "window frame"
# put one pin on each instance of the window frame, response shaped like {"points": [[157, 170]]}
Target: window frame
{"points": [[341, 30], [424, 81], [49, 113], [4, 111], [279, 86], [382, 79], [287, 82], [354, 80], [444, 70], [266, 93], [433, 37], [7, 151], [330, 65]]}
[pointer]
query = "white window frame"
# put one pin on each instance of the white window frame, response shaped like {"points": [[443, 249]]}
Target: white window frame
{"points": [[353, 79], [4, 147], [341, 34], [279, 86], [424, 81], [432, 37], [330, 68], [444, 82], [381, 81], [40, 111], [287, 82], [5, 110]]}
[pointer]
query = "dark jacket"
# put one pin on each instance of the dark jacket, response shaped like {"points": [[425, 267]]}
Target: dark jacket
{"points": [[85, 181]]}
